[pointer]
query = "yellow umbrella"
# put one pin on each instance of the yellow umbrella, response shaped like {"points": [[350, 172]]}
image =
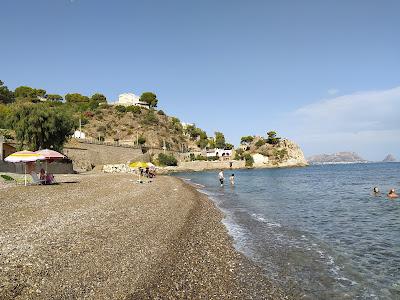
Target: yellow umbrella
{"points": [[138, 164]]}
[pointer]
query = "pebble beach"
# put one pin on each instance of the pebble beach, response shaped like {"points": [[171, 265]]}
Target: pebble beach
{"points": [[105, 236]]}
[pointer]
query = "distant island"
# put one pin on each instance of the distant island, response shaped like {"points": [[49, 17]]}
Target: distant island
{"points": [[336, 158], [389, 158]]}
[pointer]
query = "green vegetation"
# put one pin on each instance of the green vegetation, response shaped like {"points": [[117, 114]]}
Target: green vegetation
{"points": [[6, 96], [167, 160], [246, 139], [141, 140], [76, 98], [120, 108], [228, 146], [40, 126], [150, 118], [280, 153], [260, 143], [249, 160], [150, 99], [134, 109], [272, 138], [239, 154], [219, 140]]}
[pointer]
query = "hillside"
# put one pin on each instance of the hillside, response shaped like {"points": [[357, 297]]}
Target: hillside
{"points": [[150, 128], [339, 157]]}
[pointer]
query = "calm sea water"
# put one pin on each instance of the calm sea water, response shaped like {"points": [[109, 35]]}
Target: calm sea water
{"points": [[318, 230]]}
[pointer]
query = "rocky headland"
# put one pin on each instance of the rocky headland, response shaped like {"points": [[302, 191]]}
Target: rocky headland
{"points": [[336, 158], [389, 158]]}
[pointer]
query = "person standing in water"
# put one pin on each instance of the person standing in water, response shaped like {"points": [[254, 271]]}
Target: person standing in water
{"points": [[221, 177], [232, 179]]}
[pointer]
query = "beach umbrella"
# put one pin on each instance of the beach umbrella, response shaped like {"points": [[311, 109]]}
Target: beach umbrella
{"points": [[50, 155], [138, 164], [24, 157]]}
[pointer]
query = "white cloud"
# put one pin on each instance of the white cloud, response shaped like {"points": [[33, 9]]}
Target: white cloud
{"points": [[368, 122]]}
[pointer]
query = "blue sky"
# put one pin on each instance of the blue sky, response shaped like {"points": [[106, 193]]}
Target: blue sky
{"points": [[241, 67]]}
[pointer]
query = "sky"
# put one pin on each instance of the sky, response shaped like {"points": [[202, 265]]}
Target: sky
{"points": [[325, 74]]}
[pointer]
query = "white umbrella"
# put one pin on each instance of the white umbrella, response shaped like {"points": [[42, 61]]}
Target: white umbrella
{"points": [[24, 157]]}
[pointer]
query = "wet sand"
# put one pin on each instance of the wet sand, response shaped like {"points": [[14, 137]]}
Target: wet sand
{"points": [[104, 236]]}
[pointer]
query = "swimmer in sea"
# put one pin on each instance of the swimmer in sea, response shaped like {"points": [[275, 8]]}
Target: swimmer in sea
{"points": [[392, 194], [376, 191]]}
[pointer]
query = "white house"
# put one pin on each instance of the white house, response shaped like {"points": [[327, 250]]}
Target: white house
{"points": [[129, 99], [79, 135], [219, 152]]}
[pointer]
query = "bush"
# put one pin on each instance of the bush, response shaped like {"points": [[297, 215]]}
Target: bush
{"points": [[150, 118], [167, 160], [161, 113], [120, 108], [134, 109], [213, 158], [201, 157], [260, 143], [141, 140], [249, 160]]}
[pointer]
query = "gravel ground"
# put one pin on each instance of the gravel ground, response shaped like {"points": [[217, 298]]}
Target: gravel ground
{"points": [[104, 236]]}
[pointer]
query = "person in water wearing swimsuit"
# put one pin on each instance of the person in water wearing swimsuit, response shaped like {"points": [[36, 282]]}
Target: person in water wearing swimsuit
{"points": [[392, 194]]}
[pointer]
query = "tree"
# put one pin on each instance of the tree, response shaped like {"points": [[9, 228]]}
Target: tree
{"points": [[249, 160], [6, 96], [167, 160], [28, 93], [39, 126], [5, 112], [54, 97], [76, 98], [272, 138], [219, 140], [228, 146], [99, 98], [260, 142], [150, 98], [246, 139]]}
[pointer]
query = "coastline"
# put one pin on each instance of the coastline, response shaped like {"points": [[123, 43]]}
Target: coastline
{"points": [[103, 235]]}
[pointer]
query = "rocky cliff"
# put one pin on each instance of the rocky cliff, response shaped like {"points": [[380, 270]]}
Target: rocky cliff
{"points": [[285, 153], [339, 157], [389, 158]]}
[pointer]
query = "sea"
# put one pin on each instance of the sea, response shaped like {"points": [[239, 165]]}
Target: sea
{"points": [[317, 231]]}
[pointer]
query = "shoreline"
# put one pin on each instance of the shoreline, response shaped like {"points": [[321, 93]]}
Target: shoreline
{"points": [[113, 238]]}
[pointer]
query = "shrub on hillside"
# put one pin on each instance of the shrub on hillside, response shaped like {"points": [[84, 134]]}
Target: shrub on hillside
{"points": [[260, 143], [249, 160], [213, 158], [120, 108], [167, 160], [161, 113], [134, 109], [150, 118]]}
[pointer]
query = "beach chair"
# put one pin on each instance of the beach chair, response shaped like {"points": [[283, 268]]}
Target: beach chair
{"points": [[36, 179]]}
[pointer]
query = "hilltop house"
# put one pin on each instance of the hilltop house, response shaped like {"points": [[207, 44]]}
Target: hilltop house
{"points": [[129, 99], [79, 135], [223, 154]]}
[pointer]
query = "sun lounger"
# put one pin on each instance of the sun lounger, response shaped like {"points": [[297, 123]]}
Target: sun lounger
{"points": [[36, 179]]}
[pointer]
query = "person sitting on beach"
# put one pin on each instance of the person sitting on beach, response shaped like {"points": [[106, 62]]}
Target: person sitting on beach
{"points": [[392, 194], [376, 191], [42, 176], [232, 179], [49, 178]]}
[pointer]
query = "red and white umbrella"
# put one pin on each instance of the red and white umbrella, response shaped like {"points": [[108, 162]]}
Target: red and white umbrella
{"points": [[50, 155], [24, 157]]}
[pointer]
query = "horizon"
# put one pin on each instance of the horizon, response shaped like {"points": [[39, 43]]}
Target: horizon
{"points": [[323, 75]]}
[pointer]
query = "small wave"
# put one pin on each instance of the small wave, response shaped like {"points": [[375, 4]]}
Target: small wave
{"points": [[262, 219]]}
